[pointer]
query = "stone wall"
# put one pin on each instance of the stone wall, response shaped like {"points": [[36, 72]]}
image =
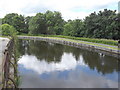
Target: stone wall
{"points": [[98, 49]]}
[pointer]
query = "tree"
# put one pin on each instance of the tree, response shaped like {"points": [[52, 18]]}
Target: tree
{"points": [[104, 24], [54, 22], [59, 23], [27, 20], [68, 29], [0, 21], [90, 25], [37, 24], [16, 21], [74, 28], [48, 23], [7, 30], [116, 34], [101, 25]]}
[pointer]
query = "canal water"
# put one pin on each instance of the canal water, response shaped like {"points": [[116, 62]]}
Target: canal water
{"points": [[47, 65]]}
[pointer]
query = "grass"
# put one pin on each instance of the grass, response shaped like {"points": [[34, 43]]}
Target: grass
{"points": [[95, 42], [101, 41], [88, 43]]}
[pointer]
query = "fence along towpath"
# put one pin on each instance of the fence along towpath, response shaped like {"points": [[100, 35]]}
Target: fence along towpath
{"points": [[3, 44]]}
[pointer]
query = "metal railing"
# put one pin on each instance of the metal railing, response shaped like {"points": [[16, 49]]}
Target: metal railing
{"points": [[8, 78]]}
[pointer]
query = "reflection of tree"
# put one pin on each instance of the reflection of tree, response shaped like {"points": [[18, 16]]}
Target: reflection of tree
{"points": [[53, 53], [47, 51], [75, 51], [102, 64], [43, 50], [21, 45]]}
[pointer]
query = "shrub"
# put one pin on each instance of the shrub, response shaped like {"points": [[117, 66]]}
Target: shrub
{"points": [[7, 30]]}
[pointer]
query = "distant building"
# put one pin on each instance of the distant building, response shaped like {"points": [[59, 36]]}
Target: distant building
{"points": [[119, 7]]}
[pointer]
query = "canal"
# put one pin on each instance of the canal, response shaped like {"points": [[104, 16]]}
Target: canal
{"points": [[48, 65]]}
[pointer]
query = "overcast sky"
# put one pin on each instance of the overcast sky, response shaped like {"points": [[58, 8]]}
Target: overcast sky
{"points": [[70, 9]]}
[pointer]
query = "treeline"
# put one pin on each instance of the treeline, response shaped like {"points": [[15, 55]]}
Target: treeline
{"points": [[104, 24]]}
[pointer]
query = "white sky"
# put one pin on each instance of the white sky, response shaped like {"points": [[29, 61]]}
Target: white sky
{"points": [[70, 9]]}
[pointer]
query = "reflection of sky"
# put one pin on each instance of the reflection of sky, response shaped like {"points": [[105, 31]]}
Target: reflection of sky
{"points": [[67, 62], [67, 73]]}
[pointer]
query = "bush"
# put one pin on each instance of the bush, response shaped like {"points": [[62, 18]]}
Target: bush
{"points": [[7, 30]]}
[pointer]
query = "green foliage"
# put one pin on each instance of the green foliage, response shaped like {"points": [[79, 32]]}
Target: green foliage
{"points": [[103, 41], [8, 30], [16, 21], [27, 20], [103, 25], [37, 24], [74, 28], [48, 23]]}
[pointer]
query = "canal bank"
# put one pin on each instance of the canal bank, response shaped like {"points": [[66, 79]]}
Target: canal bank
{"points": [[101, 48], [3, 44]]}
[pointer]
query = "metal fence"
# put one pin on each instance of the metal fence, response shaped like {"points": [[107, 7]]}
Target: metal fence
{"points": [[8, 78]]}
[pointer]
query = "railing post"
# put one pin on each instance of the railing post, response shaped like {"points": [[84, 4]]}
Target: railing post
{"points": [[6, 66]]}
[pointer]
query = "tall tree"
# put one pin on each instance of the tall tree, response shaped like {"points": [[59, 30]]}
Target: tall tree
{"points": [[74, 28], [50, 23], [15, 20], [27, 20], [101, 25], [59, 23], [37, 24], [54, 22]]}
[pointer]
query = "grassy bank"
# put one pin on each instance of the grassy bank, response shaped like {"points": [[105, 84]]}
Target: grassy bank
{"points": [[101, 41]]}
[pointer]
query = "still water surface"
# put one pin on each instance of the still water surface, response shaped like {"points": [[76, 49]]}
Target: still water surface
{"points": [[48, 65]]}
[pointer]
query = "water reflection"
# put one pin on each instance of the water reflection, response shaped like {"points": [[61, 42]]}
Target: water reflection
{"points": [[43, 64], [32, 63]]}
